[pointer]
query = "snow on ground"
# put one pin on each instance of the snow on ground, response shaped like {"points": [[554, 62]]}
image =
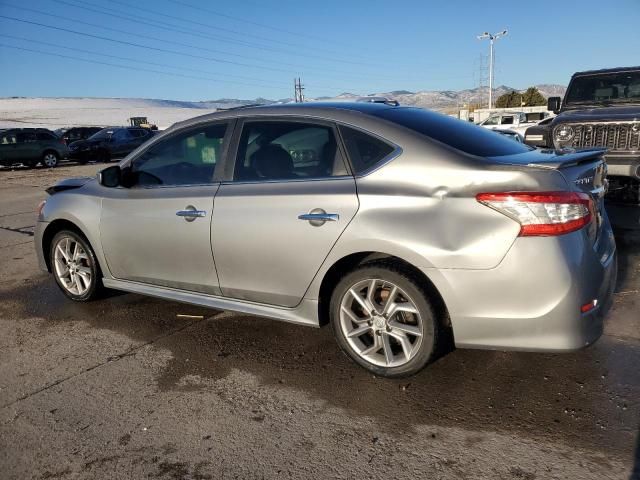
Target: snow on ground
{"points": [[53, 113]]}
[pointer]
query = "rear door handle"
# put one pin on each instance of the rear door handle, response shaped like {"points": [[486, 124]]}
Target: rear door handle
{"points": [[325, 217], [318, 217], [191, 213]]}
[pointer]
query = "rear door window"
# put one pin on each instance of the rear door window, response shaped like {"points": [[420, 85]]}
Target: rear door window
{"points": [[8, 138], [278, 150], [26, 137], [365, 151]]}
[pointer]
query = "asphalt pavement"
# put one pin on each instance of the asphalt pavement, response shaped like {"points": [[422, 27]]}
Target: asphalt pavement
{"points": [[135, 387]]}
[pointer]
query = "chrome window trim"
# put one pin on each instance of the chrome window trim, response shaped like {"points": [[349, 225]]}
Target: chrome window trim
{"points": [[286, 180]]}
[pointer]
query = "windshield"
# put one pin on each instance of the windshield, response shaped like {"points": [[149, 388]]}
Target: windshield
{"points": [[102, 134], [622, 87]]}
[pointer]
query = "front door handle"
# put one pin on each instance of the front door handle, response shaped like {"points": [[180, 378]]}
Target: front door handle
{"points": [[191, 213], [317, 217]]}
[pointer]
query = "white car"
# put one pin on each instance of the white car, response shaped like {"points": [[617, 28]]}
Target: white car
{"points": [[516, 121]]}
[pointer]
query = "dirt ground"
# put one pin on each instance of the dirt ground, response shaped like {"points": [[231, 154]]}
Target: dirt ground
{"points": [[126, 388]]}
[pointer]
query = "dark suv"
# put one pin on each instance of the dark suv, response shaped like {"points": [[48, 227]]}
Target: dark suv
{"points": [[601, 108], [30, 146], [73, 134], [108, 143]]}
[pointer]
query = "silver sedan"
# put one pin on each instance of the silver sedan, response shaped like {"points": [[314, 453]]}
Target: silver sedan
{"points": [[398, 226]]}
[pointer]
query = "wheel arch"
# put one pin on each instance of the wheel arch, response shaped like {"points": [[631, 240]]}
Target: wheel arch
{"points": [[349, 262], [54, 227]]}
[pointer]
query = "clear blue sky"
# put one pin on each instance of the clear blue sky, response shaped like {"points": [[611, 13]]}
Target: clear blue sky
{"points": [[252, 48]]}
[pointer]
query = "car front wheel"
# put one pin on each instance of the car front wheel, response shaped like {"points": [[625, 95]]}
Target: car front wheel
{"points": [[382, 319], [74, 266], [50, 159]]}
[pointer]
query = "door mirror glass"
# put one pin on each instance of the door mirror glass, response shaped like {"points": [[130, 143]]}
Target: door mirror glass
{"points": [[110, 177], [553, 104]]}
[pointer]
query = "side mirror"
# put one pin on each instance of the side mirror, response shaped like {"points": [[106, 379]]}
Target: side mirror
{"points": [[553, 104], [110, 177]]}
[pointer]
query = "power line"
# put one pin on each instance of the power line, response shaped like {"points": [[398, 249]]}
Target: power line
{"points": [[324, 72], [250, 22], [187, 45], [137, 60], [234, 32], [128, 67], [164, 65], [195, 33], [133, 44]]}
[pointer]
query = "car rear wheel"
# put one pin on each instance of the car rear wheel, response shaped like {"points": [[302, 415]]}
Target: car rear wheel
{"points": [[50, 159], [75, 267], [382, 319]]}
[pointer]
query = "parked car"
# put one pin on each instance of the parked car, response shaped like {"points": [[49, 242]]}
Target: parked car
{"points": [[108, 143], [511, 134], [517, 121], [70, 135], [31, 146], [601, 108], [393, 224], [539, 135]]}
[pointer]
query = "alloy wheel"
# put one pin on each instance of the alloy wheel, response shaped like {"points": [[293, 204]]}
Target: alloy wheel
{"points": [[381, 322], [71, 263], [50, 160]]}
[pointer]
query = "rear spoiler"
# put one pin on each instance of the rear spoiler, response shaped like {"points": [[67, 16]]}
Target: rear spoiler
{"points": [[570, 158]]}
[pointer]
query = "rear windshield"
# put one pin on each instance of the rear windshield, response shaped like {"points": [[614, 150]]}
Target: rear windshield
{"points": [[461, 135]]}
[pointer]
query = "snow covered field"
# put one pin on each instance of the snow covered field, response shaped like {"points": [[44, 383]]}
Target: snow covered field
{"points": [[53, 113]]}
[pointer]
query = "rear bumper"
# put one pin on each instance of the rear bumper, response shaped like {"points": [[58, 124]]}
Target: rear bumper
{"points": [[532, 300]]}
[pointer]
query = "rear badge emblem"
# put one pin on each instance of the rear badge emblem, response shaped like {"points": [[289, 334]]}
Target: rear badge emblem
{"points": [[583, 181]]}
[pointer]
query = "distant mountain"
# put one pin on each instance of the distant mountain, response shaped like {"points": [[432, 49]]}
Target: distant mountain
{"points": [[434, 99]]}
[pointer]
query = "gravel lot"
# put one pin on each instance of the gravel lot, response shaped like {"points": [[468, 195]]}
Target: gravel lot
{"points": [[126, 388]]}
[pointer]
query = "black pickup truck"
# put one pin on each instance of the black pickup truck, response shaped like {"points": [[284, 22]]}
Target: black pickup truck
{"points": [[601, 108]]}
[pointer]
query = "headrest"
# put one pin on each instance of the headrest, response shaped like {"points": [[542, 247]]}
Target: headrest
{"points": [[273, 161]]}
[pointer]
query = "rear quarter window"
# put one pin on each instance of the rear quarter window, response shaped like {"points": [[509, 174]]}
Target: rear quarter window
{"points": [[364, 150], [458, 134]]}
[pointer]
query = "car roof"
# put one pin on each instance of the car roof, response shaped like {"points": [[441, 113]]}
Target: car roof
{"points": [[26, 129], [308, 109], [606, 70]]}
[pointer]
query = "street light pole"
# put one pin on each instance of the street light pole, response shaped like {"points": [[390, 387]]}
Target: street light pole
{"points": [[492, 38]]}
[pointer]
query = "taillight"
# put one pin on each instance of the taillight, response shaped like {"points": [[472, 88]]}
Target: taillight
{"points": [[63, 141], [542, 213]]}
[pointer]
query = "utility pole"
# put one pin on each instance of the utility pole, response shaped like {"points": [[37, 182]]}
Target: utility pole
{"points": [[491, 38], [483, 77], [298, 90]]}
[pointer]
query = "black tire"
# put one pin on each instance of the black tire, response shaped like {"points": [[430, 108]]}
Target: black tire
{"points": [[50, 159], [103, 156], [412, 286], [95, 288]]}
